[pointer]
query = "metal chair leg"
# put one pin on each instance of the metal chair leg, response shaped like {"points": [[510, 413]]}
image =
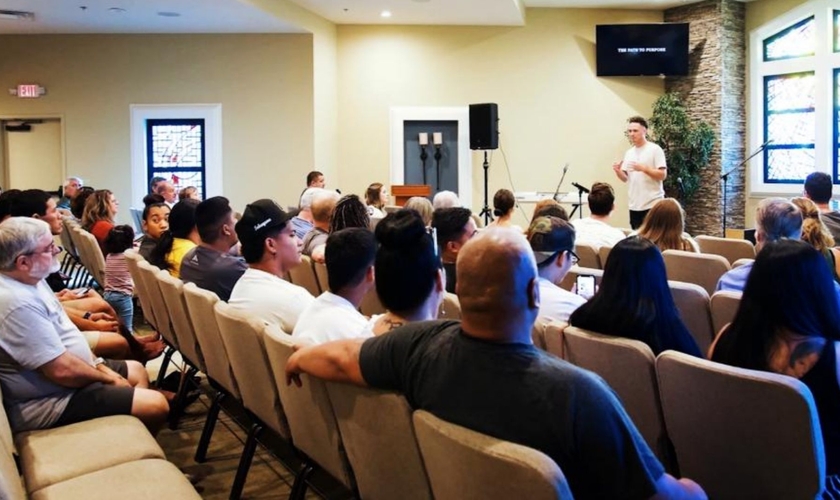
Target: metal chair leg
{"points": [[180, 397], [167, 355], [299, 487], [245, 462], [209, 426]]}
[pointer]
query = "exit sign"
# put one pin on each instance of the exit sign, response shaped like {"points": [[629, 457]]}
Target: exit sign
{"points": [[29, 91]]}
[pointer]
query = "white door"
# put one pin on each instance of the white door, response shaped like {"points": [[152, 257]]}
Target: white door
{"points": [[33, 158]]}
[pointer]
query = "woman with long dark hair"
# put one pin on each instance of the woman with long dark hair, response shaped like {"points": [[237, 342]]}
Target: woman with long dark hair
{"points": [[788, 322], [635, 302], [180, 238]]}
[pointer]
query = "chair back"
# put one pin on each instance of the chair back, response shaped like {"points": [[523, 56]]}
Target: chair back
{"points": [[11, 485], [93, 254], [378, 436], [450, 308], [371, 304], [172, 290], [698, 268], [724, 305], [132, 259], [66, 239], [568, 281], [200, 307], [308, 410], [243, 340], [741, 433], [303, 275], [555, 342], [603, 254], [741, 262], [628, 366], [729, 248], [321, 275], [588, 255], [693, 304], [163, 323], [464, 464]]}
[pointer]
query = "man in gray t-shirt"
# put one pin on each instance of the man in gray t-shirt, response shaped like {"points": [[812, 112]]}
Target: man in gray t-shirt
{"points": [[47, 371]]}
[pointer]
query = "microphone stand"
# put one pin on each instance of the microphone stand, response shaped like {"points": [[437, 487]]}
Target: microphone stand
{"points": [[579, 205], [486, 210], [562, 178], [725, 178]]}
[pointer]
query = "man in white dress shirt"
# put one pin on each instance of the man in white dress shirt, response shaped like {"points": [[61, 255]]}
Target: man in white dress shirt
{"points": [[643, 169], [271, 248], [334, 315], [596, 230], [552, 240]]}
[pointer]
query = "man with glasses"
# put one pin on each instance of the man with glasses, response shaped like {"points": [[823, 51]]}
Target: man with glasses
{"points": [[48, 373], [552, 240]]}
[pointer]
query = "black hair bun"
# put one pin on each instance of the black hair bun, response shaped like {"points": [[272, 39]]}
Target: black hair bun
{"points": [[153, 199], [402, 229], [497, 212]]}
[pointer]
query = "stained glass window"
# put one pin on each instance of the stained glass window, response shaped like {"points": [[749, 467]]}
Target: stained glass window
{"points": [[798, 40], [790, 125], [836, 29], [175, 151], [836, 140]]}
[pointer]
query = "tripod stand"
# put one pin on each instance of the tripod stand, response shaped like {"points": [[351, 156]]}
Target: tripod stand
{"points": [[485, 211], [725, 178]]}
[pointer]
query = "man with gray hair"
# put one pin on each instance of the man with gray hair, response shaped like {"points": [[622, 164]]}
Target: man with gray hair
{"points": [[71, 189], [303, 222], [48, 373], [775, 219], [446, 199]]}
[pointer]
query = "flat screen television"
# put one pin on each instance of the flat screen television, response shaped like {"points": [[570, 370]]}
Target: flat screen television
{"points": [[642, 49]]}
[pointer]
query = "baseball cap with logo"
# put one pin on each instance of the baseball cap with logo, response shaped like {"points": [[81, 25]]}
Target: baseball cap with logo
{"points": [[550, 235], [258, 219]]}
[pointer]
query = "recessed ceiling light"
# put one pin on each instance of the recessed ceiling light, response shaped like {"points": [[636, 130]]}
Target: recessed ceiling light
{"points": [[169, 14], [116, 10], [385, 13]]}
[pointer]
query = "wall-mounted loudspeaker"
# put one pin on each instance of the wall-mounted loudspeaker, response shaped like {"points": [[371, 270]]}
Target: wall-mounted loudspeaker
{"points": [[484, 131]]}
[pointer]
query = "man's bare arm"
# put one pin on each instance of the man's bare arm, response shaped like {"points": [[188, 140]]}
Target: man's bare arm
{"points": [[621, 174], [670, 488], [335, 361], [69, 370], [655, 173]]}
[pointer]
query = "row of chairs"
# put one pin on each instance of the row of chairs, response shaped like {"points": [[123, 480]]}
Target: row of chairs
{"points": [[703, 315], [738, 433], [364, 439], [81, 249]]}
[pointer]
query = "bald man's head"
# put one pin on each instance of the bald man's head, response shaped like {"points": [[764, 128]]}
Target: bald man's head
{"points": [[496, 283]]}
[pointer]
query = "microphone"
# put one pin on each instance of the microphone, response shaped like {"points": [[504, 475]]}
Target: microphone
{"points": [[580, 188], [769, 141], [562, 178], [565, 168], [681, 186], [338, 191]]}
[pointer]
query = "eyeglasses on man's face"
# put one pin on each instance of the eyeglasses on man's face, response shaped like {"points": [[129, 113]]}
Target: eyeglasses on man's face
{"points": [[51, 249]]}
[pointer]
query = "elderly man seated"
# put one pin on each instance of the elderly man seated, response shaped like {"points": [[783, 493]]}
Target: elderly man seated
{"points": [[47, 371]]}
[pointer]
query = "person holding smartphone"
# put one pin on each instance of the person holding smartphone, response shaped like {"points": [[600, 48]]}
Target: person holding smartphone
{"points": [[553, 241]]}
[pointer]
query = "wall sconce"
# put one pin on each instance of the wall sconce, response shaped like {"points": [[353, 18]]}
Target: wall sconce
{"points": [[423, 140], [438, 140]]}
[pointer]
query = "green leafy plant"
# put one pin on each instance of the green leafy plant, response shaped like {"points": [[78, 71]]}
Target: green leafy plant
{"points": [[687, 143]]}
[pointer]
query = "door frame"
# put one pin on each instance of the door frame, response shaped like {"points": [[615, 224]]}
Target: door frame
{"points": [[4, 145]]}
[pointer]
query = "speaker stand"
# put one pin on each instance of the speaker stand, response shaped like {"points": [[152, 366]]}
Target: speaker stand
{"points": [[485, 212]]}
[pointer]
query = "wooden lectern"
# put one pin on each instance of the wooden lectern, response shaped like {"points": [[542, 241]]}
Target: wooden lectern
{"points": [[401, 194]]}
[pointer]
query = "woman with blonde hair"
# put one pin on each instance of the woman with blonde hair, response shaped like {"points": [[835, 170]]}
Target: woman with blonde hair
{"points": [[423, 207], [664, 225], [99, 214], [816, 234]]}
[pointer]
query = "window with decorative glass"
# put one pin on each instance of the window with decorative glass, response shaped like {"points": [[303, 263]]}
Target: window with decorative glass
{"points": [[176, 152]]}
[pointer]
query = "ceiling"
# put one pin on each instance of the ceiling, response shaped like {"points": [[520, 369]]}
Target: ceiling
{"points": [[240, 16]]}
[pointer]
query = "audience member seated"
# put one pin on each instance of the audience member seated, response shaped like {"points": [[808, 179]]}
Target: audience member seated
{"points": [[553, 241], [446, 199], [775, 219], [335, 313], [788, 322], [816, 234], [303, 221], [315, 179], [167, 190], [376, 197], [7, 201], [99, 215], [37, 204], [270, 248], [596, 230], [153, 184], [635, 302], [503, 204], [349, 212], [485, 374], [71, 189], [155, 221], [189, 192], [664, 225], [118, 286], [77, 204], [210, 265], [423, 207], [818, 186], [549, 208], [454, 226], [323, 205], [409, 275], [47, 371], [180, 238]]}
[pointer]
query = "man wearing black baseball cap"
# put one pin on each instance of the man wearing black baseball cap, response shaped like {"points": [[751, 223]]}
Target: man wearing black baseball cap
{"points": [[271, 248]]}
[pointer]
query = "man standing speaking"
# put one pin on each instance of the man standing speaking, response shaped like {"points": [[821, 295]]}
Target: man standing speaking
{"points": [[643, 169]]}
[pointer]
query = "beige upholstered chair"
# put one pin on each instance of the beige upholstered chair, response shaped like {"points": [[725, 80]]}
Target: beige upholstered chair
{"points": [[693, 303], [92, 257], [698, 268], [466, 465], [628, 366], [554, 341], [603, 254], [132, 259], [729, 248], [724, 305], [741, 433], [378, 436], [588, 255], [243, 339], [538, 332], [741, 262], [163, 323], [310, 415], [450, 308], [321, 275], [568, 281], [371, 304], [304, 275]]}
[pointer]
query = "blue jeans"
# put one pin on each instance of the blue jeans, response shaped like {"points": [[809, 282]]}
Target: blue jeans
{"points": [[123, 305]]}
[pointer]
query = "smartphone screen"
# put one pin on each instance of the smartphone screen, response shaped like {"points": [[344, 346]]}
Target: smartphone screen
{"points": [[81, 291], [585, 285]]}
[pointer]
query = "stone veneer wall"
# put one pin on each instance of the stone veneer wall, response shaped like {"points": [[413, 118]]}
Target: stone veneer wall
{"points": [[715, 91]]}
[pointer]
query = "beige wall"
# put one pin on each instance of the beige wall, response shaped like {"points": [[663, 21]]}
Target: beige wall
{"points": [[552, 108], [264, 83], [758, 14]]}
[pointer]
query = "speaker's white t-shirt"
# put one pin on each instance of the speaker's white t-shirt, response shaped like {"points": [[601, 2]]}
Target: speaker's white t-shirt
{"points": [[643, 192]]}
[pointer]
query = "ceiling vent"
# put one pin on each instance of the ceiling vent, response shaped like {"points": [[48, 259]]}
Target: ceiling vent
{"points": [[16, 15]]}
